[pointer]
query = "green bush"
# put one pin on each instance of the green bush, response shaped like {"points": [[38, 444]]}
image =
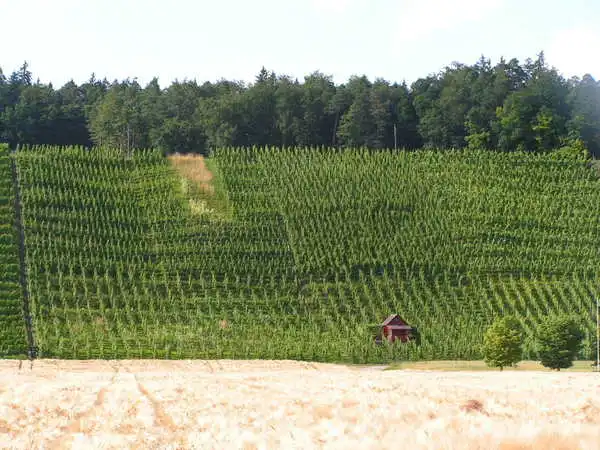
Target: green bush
{"points": [[559, 338], [502, 343], [572, 150]]}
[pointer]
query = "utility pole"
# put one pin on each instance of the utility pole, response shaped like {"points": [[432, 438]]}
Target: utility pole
{"points": [[395, 138]]}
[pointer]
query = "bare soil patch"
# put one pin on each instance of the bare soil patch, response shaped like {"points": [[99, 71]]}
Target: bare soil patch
{"points": [[290, 405], [193, 168]]}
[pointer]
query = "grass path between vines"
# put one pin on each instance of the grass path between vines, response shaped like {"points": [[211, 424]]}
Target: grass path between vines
{"points": [[193, 168]]}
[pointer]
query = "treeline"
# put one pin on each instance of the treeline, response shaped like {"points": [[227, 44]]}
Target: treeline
{"points": [[507, 106]]}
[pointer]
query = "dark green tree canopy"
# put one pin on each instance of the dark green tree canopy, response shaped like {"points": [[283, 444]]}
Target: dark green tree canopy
{"points": [[508, 106], [559, 339]]}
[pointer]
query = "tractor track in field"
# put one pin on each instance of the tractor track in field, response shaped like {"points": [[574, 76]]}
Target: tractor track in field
{"points": [[162, 419], [290, 404], [75, 425]]}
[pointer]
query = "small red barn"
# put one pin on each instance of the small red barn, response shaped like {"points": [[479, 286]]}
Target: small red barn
{"points": [[395, 328]]}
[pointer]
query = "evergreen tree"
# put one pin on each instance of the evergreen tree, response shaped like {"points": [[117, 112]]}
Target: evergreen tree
{"points": [[117, 120], [318, 114], [357, 127]]}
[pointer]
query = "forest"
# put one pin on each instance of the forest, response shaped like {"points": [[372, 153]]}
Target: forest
{"points": [[509, 106]]}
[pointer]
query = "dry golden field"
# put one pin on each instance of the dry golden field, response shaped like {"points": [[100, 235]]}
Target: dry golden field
{"points": [[291, 405]]}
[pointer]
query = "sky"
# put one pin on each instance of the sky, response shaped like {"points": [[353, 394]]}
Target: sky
{"points": [[398, 40]]}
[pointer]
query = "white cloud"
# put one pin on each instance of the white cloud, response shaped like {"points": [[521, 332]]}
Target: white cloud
{"points": [[572, 52], [420, 18], [332, 6]]}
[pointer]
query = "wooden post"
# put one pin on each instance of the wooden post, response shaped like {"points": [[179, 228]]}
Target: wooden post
{"points": [[597, 334]]}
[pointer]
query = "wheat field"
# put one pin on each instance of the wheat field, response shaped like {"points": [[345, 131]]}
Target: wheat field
{"points": [[140, 404]]}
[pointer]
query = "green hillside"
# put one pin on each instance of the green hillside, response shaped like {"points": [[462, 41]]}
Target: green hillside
{"points": [[315, 246], [13, 340]]}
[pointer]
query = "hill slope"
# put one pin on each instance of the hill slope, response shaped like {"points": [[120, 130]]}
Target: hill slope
{"points": [[315, 247]]}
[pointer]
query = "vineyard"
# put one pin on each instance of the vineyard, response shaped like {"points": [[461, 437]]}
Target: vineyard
{"points": [[13, 342], [293, 253]]}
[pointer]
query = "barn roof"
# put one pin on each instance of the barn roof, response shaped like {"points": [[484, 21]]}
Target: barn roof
{"points": [[391, 318]]}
